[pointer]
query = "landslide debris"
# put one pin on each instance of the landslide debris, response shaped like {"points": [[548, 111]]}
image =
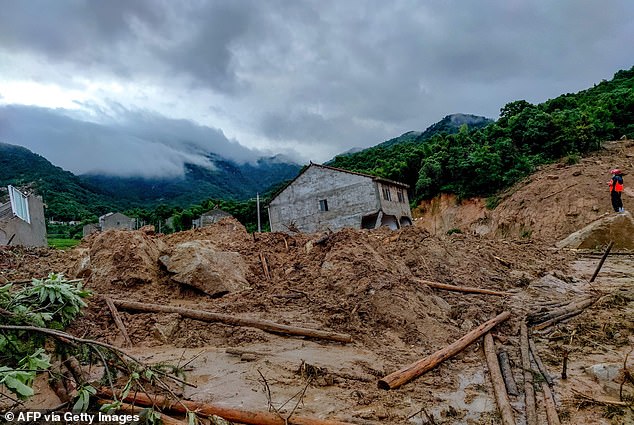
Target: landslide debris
{"points": [[552, 203]]}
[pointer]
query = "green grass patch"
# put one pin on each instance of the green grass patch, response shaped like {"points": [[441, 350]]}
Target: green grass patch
{"points": [[60, 243]]}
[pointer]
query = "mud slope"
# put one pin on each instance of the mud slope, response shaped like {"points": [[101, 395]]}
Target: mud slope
{"points": [[556, 201]]}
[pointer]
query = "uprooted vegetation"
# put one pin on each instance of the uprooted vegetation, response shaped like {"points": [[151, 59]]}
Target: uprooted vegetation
{"points": [[212, 315]]}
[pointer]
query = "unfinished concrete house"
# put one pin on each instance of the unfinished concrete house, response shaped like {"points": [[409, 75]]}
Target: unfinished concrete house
{"points": [[115, 221], [210, 217], [323, 197], [22, 220]]}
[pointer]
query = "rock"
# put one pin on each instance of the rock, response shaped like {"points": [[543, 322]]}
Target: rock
{"points": [[520, 278], [82, 266], [200, 265], [577, 173], [604, 371], [467, 325], [441, 303], [248, 357], [165, 326], [552, 177], [611, 227]]}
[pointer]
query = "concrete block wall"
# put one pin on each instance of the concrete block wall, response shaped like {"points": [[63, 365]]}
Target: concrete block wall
{"points": [[349, 197]]}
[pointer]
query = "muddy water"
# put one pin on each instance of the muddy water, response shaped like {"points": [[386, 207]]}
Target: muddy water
{"points": [[225, 377]]}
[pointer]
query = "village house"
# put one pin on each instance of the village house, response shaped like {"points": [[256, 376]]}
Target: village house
{"points": [[110, 221], [210, 217], [22, 220], [327, 198]]}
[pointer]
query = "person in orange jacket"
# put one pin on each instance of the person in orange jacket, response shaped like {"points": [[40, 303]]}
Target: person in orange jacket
{"points": [[616, 188]]}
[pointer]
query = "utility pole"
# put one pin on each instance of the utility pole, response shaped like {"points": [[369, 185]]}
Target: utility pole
{"points": [[258, 206]]}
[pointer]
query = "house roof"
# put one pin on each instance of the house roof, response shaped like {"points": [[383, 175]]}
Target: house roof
{"points": [[216, 211], [110, 214], [327, 167]]}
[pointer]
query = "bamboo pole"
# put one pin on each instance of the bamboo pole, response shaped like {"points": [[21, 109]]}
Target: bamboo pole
{"points": [[466, 289], [499, 388], [529, 390], [551, 409], [229, 414], [507, 374], [605, 255], [538, 362], [118, 321], [207, 316], [400, 377]]}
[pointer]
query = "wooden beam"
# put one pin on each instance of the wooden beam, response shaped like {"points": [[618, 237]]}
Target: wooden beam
{"points": [[118, 321], [499, 388], [529, 390], [229, 414], [605, 255], [400, 377], [207, 316]]}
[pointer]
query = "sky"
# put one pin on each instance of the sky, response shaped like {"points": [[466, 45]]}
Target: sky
{"points": [[140, 87]]}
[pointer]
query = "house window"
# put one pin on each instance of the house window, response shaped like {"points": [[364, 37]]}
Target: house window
{"points": [[386, 194], [323, 205], [401, 196]]}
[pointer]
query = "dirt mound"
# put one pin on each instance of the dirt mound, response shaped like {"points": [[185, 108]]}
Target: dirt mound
{"points": [[227, 234], [618, 228], [556, 201], [124, 258]]}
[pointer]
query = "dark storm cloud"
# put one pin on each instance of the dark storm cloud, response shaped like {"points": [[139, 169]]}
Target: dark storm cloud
{"points": [[337, 73], [139, 144]]}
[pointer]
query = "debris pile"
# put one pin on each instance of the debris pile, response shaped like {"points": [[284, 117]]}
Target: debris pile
{"points": [[327, 318]]}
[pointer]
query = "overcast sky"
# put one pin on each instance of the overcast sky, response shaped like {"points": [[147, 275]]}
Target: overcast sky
{"points": [[142, 86]]}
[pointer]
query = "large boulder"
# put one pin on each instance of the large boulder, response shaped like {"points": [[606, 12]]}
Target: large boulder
{"points": [[199, 264], [618, 228]]}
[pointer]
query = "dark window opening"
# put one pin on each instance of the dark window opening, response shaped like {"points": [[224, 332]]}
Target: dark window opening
{"points": [[323, 205], [401, 196], [386, 194]]}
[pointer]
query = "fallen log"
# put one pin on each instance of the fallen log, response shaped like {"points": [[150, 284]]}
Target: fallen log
{"points": [[529, 390], [137, 410], [567, 311], [229, 414], [499, 388], [538, 362], [551, 409], [466, 289], [507, 374], [207, 316], [400, 377], [118, 321], [605, 255]]}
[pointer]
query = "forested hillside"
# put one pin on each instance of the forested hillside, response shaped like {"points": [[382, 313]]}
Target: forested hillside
{"points": [[483, 161], [65, 195], [227, 180], [69, 197]]}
